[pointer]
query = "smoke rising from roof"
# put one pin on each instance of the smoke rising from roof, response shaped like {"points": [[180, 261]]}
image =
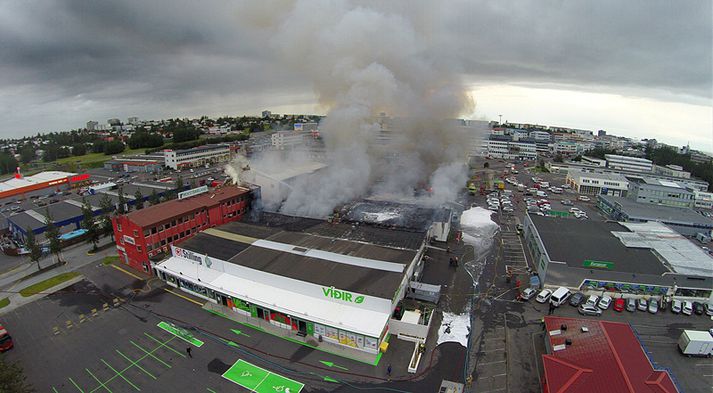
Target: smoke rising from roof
{"points": [[364, 61]]}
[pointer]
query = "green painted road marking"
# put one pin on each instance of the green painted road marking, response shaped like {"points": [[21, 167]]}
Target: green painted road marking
{"points": [[239, 333], [163, 344], [55, 390], [277, 383], [259, 380], [101, 385], [232, 344], [329, 379], [332, 364], [211, 390], [121, 374], [150, 354], [75, 385], [135, 363], [183, 334]]}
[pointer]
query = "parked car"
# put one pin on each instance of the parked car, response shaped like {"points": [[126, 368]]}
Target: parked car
{"points": [[590, 310], [619, 304], [698, 308], [592, 300], [642, 304], [709, 309], [544, 296], [528, 293], [653, 306], [676, 306], [567, 202], [576, 299], [630, 305], [604, 302], [583, 198], [687, 308]]}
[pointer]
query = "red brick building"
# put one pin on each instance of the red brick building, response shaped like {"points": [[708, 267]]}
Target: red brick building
{"points": [[149, 232]]}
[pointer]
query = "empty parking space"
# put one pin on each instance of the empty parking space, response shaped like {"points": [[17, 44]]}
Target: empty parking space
{"points": [[133, 365]]}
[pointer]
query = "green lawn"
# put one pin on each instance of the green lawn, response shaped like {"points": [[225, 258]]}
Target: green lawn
{"points": [[95, 159], [4, 302], [110, 260], [48, 283]]}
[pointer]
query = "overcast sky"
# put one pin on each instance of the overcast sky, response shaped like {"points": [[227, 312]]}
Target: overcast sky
{"points": [[634, 68]]}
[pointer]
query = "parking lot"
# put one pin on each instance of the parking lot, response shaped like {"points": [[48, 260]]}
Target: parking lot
{"points": [[512, 341]]}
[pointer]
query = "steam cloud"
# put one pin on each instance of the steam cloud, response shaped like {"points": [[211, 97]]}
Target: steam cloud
{"points": [[364, 61]]}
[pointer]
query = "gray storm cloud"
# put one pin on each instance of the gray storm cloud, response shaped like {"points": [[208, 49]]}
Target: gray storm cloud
{"points": [[364, 61]]}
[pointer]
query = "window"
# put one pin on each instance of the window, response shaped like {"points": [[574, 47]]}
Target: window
{"points": [[118, 227], [138, 248], [136, 232]]}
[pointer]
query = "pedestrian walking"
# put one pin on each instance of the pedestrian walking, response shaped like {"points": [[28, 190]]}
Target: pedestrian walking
{"points": [[388, 370], [188, 351], [552, 309]]}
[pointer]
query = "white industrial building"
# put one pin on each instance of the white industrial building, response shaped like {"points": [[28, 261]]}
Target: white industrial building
{"points": [[628, 163], [506, 147], [596, 183], [197, 156], [286, 140], [703, 200]]}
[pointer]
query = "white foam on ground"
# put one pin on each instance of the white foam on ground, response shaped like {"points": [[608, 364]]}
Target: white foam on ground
{"points": [[454, 328]]}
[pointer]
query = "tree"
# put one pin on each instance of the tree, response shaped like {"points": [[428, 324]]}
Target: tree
{"points": [[558, 158], [114, 147], [122, 202], [52, 235], [179, 183], [139, 198], [8, 163], [108, 209], [31, 244], [13, 379], [90, 224], [486, 165], [154, 200], [27, 154], [79, 149]]}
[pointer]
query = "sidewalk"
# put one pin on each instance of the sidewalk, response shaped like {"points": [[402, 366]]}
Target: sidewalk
{"points": [[76, 257]]}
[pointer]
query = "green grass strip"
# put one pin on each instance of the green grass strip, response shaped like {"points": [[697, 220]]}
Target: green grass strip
{"points": [[109, 260], [135, 363], [164, 344], [180, 333], [121, 374], [374, 363], [101, 385], [4, 302], [47, 284], [75, 385]]}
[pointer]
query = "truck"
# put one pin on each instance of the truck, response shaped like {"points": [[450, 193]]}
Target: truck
{"points": [[5, 340], [696, 343]]}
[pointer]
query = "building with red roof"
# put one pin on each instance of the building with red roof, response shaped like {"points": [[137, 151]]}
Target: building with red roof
{"points": [[149, 233], [592, 356]]}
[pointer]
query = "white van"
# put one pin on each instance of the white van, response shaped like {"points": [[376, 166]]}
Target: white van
{"points": [[560, 296]]}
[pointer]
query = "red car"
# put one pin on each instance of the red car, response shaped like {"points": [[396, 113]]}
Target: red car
{"points": [[5, 340], [619, 305]]}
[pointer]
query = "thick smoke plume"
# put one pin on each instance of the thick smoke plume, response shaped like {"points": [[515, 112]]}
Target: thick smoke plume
{"points": [[366, 59]]}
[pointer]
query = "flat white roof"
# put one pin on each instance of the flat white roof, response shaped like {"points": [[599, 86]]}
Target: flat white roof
{"points": [[290, 171], [41, 177], [679, 253], [327, 312]]}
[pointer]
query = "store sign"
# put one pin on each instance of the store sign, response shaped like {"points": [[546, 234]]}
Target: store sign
{"points": [[192, 192], [129, 239], [598, 264], [179, 252], [345, 296]]}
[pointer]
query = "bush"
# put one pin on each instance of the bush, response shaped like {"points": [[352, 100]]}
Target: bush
{"points": [[114, 147]]}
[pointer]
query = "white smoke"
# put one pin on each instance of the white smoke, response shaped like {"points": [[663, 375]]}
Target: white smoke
{"points": [[365, 59]]}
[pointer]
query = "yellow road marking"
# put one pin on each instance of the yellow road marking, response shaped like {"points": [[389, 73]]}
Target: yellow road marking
{"points": [[183, 297], [127, 272]]}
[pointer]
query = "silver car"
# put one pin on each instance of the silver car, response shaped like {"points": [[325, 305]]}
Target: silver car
{"points": [[653, 306], [590, 310]]}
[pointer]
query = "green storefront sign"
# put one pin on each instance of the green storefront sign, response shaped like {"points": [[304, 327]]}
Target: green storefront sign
{"points": [[334, 293], [599, 264]]}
